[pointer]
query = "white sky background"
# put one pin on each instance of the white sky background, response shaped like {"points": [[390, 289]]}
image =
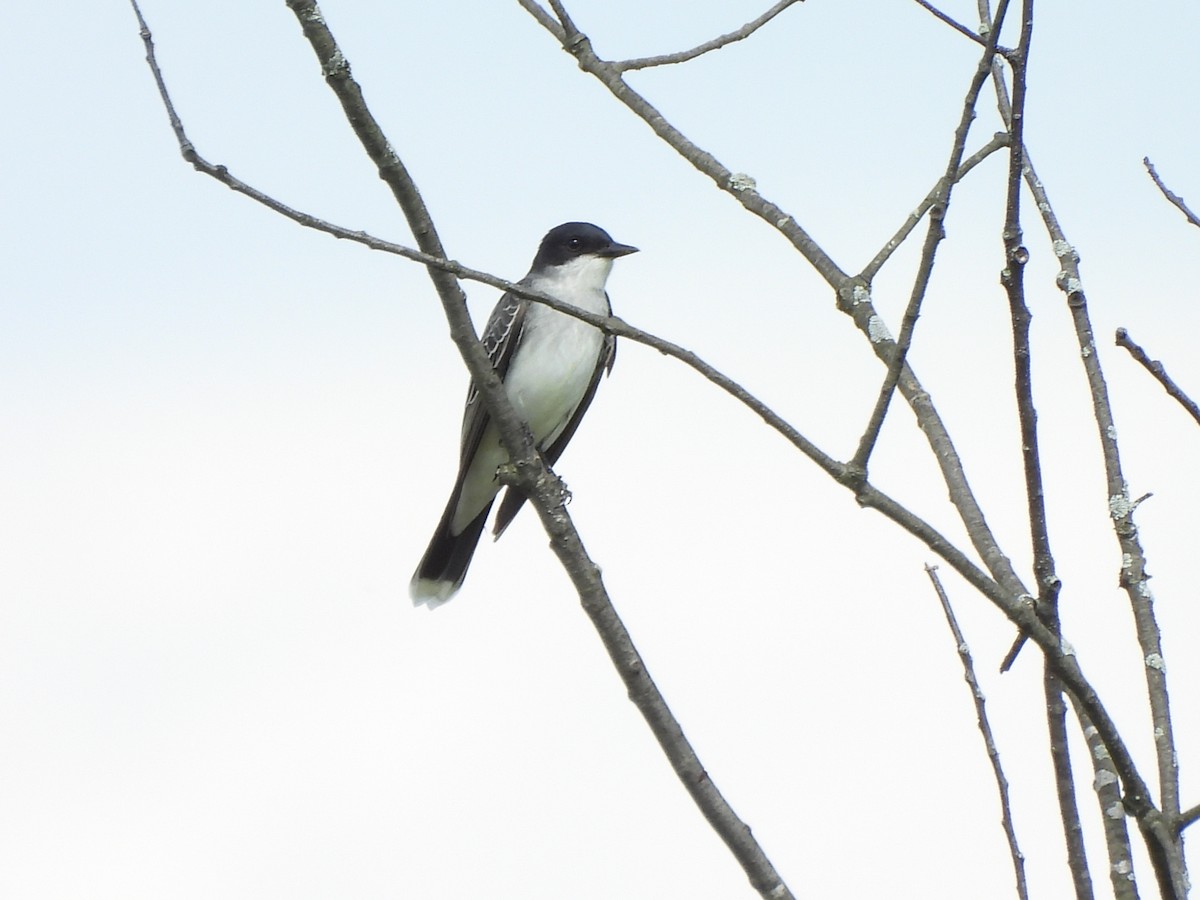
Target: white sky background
{"points": [[225, 442]]}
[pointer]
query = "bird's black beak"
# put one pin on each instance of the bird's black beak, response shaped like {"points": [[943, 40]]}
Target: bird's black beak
{"points": [[613, 250]]}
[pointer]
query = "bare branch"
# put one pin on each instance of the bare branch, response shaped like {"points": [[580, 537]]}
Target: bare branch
{"points": [[564, 20], [739, 186], [1169, 194], [1064, 778], [1188, 817], [716, 43], [999, 140], [985, 728], [1112, 814], [933, 237], [1155, 368], [957, 26]]}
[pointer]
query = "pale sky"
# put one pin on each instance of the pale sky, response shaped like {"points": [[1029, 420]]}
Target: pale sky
{"points": [[225, 442]]}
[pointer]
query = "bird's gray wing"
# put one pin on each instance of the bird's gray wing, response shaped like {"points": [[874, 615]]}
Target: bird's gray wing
{"points": [[511, 503], [444, 565], [500, 338]]}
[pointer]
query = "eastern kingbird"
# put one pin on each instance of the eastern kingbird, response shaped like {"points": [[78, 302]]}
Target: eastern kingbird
{"points": [[551, 364]]}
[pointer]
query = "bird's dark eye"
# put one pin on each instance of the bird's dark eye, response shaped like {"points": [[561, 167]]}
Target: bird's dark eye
{"points": [[575, 243]]}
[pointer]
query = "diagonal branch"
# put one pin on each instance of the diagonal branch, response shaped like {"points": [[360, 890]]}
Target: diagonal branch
{"points": [[716, 43], [739, 186], [985, 728], [933, 237], [1106, 785], [1188, 817], [1155, 368], [1169, 194], [998, 141], [953, 23]]}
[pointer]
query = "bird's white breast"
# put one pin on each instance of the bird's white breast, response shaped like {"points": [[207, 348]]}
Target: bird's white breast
{"points": [[558, 353], [548, 376]]}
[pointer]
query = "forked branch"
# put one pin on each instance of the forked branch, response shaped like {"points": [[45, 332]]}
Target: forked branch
{"points": [[716, 43]]}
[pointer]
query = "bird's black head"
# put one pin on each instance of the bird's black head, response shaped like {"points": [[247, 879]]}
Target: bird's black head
{"points": [[576, 239]]}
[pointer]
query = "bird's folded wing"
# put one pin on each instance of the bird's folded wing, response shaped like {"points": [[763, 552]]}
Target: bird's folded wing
{"points": [[500, 338]]}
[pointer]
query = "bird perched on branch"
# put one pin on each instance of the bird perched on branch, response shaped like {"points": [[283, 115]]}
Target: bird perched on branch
{"points": [[550, 364]]}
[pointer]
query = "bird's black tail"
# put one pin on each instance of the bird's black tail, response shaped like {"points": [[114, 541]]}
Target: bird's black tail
{"points": [[442, 569]]}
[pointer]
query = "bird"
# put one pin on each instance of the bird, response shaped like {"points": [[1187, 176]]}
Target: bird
{"points": [[551, 364]]}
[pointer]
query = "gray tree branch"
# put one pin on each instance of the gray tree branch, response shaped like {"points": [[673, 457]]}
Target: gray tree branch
{"points": [[934, 235], [716, 43], [1156, 368], [985, 729], [1171, 196], [998, 141]]}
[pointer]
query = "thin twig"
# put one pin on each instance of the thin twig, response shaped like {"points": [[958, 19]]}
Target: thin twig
{"points": [[998, 141], [716, 43], [1169, 194], [933, 237], [739, 186], [1155, 368], [564, 19], [957, 26], [985, 728], [1188, 817]]}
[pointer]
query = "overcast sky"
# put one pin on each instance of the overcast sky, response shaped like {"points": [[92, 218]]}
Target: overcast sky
{"points": [[225, 441]]}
